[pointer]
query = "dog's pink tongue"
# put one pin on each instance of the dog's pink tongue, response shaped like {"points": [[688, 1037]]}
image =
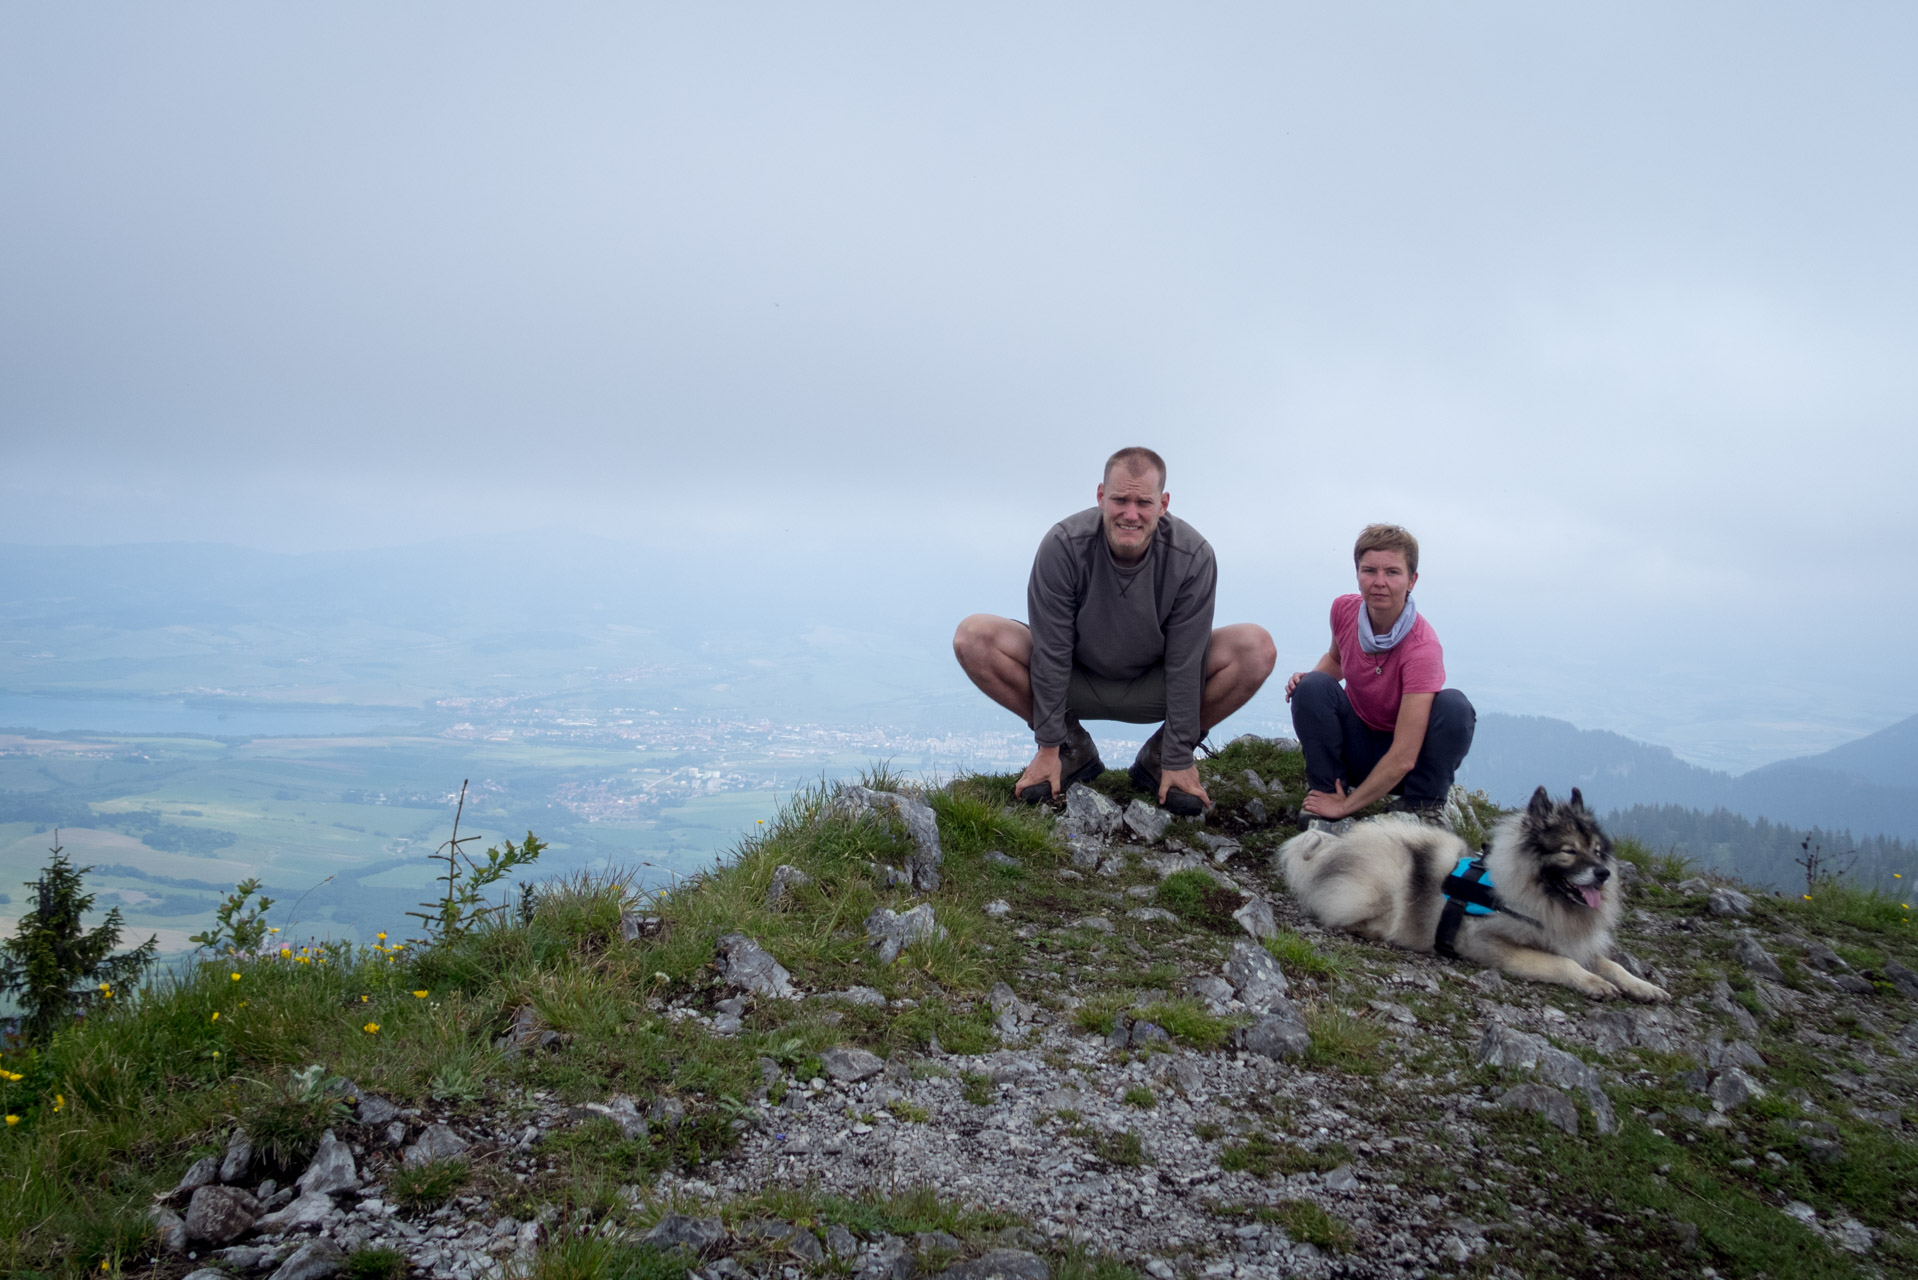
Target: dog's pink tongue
{"points": [[1593, 898]]}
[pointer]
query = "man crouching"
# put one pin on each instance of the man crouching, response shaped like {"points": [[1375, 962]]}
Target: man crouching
{"points": [[1121, 604]]}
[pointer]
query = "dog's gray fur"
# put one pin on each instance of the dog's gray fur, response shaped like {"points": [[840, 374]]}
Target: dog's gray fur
{"points": [[1382, 880]]}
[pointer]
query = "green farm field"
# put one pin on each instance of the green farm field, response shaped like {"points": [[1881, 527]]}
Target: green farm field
{"points": [[340, 830]]}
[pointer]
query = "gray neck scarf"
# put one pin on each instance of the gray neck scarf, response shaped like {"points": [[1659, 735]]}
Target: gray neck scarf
{"points": [[1381, 644]]}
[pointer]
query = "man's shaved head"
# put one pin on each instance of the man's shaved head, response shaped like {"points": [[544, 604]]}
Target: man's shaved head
{"points": [[1136, 459]]}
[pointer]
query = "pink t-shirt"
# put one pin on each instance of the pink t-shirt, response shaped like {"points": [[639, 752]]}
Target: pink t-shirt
{"points": [[1375, 682]]}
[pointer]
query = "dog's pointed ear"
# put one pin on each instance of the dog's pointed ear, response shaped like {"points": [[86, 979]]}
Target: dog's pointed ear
{"points": [[1541, 806], [1578, 801]]}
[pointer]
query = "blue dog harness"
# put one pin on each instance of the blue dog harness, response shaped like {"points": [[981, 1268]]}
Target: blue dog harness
{"points": [[1468, 892]]}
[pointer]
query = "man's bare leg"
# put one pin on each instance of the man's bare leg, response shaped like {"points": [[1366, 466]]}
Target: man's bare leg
{"points": [[996, 654], [1236, 667]]}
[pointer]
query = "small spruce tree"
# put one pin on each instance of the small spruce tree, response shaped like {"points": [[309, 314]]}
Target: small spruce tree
{"points": [[53, 966]]}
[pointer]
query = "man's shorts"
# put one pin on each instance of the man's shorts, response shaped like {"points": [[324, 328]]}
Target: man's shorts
{"points": [[1137, 701]]}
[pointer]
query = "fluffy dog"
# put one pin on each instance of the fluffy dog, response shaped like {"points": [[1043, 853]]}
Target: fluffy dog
{"points": [[1550, 865]]}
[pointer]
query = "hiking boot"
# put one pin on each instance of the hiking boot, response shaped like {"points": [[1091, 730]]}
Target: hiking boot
{"points": [[1078, 762], [1145, 773]]}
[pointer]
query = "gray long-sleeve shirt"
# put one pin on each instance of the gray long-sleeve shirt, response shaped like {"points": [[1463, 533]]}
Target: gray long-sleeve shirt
{"points": [[1121, 622]]}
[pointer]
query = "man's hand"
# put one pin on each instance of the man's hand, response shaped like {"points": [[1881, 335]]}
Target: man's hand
{"points": [[1186, 780], [1327, 804], [1044, 768], [1293, 683]]}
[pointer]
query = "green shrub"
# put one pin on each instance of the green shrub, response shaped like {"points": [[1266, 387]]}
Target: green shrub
{"points": [[1141, 1097]]}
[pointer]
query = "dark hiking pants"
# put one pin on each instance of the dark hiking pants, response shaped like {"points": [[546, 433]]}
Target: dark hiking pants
{"points": [[1340, 746]]}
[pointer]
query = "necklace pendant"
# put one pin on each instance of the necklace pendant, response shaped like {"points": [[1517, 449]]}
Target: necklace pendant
{"points": [[1379, 670]]}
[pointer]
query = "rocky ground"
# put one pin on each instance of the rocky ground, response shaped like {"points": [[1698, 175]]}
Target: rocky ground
{"points": [[1154, 1065]]}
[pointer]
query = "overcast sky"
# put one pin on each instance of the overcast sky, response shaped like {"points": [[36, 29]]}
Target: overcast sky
{"points": [[1613, 304]]}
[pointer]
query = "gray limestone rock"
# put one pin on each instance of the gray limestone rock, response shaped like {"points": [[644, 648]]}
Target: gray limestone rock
{"points": [[1716, 1053], [331, 1169], [1825, 958], [841, 1243], [238, 1159], [1277, 1035], [201, 1172], [677, 1231], [314, 1260], [1098, 924], [248, 1257], [1220, 847], [666, 1112], [855, 995], [207, 1273], [1732, 1088], [436, 1142], [919, 820], [1086, 852], [1904, 979], [1757, 960], [1504, 1047], [217, 1214], [307, 1211], [893, 931], [1852, 983], [622, 1110], [1822, 1150], [1090, 814], [1853, 1236], [1000, 1264], [1147, 821], [850, 1065], [1144, 1033], [375, 1111], [1255, 917], [998, 908], [1542, 1100], [890, 1259], [169, 1227], [745, 964], [1254, 781], [805, 1246], [1216, 992], [1255, 975], [999, 858], [785, 880], [936, 1242], [1726, 901], [1341, 1178], [1255, 812], [1152, 915]]}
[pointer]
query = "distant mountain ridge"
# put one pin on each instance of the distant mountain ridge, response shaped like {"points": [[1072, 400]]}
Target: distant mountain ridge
{"points": [[1869, 787]]}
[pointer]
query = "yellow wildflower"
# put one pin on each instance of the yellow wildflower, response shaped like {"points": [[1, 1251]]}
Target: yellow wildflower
{"points": [[420, 995], [12, 1120], [215, 1017], [59, 1102], [371, 1028], [380, 936], [236, 977], [285, 952], [273, 929]]}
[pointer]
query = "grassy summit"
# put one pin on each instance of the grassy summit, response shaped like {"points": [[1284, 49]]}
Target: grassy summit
{"points": [[1099, 1150]]}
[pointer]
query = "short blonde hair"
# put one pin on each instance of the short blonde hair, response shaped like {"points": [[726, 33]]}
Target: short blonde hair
{"points": [[1136, 458], [1387, 537]]}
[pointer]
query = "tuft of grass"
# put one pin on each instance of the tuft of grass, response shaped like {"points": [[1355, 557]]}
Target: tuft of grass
{"points": [[1343, 1042], [1309, 1224], [1208, 1131], [1195, 897], [1125, 1150], [909, 1112], [1300, 959], [1838, 902], [374, 1264], [1141, 1097], [1100, 1014], [977, 1088], [428, 1186], [575, 1257], [1263, 1156], [1186, 1019]]}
